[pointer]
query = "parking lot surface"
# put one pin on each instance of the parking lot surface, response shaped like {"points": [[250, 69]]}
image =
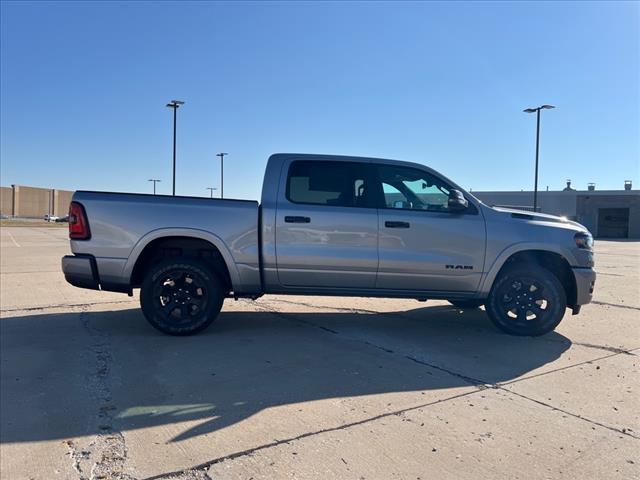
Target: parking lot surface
{"points": [[302, 387]]}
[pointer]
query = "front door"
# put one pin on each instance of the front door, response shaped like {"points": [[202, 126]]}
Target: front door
{"points": [[326, 229], [422, 245]]}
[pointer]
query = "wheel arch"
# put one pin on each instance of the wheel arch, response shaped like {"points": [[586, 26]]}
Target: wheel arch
{"points": [[169, 242], [551, 259]]}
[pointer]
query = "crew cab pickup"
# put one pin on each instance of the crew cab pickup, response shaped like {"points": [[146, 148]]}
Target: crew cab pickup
{"points": [[331, 225]]}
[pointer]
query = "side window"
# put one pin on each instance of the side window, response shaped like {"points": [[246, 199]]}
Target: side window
{"points": [[327, 183], [413, 189]]}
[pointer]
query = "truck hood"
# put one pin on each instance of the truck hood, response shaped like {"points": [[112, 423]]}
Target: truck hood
{"points": [[543, 217]]}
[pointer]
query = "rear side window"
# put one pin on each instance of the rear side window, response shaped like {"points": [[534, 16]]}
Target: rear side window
{"points": [[342, 184]]}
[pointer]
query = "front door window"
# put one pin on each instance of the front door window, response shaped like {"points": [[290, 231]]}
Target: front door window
{"points": [[412, 189]]}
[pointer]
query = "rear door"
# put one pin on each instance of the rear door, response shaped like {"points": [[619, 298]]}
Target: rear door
{"points": [[326, 225], [422, 245]]}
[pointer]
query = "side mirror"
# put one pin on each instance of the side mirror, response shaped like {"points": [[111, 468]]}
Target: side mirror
{"points": [[457, 202]]}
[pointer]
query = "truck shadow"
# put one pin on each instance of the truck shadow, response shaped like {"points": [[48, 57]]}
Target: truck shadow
{"points": [[73, 374]]}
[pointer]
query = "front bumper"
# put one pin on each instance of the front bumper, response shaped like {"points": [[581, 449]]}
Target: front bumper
{"points": [[585, 283], [81, 271]]}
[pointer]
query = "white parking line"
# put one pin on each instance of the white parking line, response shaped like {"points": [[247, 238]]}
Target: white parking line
{"points": [[13, 240]]}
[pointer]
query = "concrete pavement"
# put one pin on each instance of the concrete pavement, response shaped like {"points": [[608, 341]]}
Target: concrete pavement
{"points": [[302, 387]]}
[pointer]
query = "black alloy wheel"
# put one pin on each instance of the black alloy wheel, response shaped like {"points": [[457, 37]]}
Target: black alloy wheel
{"points": [[527, 301], [181, 296]]}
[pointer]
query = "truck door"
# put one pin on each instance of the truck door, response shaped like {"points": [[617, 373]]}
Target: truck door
{"points": [[326, 226], [422, 245]]}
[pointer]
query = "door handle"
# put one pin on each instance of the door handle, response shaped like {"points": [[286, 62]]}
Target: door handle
{"points": [[293, 219], [389, 224]]}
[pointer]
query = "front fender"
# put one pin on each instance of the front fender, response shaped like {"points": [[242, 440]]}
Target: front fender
{"points": [[184, 232], [498, 263]]}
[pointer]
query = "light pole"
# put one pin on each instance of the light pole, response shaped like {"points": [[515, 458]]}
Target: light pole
{"points": [[211, 189], [154, 180], [537, 112], [221, 155], [175, 104]]}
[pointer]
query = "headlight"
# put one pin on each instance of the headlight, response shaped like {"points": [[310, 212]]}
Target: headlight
{"points": [[584, 240]]}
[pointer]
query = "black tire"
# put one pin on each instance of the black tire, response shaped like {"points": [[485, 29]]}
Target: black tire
{"points": [[467, 304], [526, 301], [181, 296]]}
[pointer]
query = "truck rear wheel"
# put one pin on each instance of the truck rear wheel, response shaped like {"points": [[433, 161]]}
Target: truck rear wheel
{"points": [[181, 296], [526, 301]]}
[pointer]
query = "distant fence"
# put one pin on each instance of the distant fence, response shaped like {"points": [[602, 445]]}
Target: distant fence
{"points": [[33, 202]]}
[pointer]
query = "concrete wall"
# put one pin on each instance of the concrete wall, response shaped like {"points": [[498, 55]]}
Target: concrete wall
{"points": [[556, 203], [588, 207], [61, 201], [6, 201], [582, 206], [33, 202]]}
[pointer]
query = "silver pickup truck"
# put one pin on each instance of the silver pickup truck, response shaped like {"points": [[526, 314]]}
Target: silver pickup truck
{"points": [[331, 225]]}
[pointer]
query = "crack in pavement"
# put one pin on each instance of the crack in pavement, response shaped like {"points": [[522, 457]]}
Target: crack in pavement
{"points": [[606, 348], [320, 307], [105, 455], [72, 305], [560, 369], [251, 451], [467, 379], [575, 415], [199, 471], [400, 314], [597, 302], [480, 384]]}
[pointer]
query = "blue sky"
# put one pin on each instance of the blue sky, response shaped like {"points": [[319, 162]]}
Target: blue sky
{"points": [[84, 87]]}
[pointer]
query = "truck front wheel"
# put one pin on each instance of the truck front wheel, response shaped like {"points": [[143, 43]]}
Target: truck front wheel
{"points": [[527, 301], [181, 296]]}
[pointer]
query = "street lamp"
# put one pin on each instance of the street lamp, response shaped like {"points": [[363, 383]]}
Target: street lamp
{"points": [[154, 180], [175, 104], [537, 112], [221, 155], [211, 189]]}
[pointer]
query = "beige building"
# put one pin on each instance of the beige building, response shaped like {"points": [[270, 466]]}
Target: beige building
{"points": [[33, 202], [606, 213]]}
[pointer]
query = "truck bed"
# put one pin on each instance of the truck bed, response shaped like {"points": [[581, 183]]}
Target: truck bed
{"points": [[122, 224]]}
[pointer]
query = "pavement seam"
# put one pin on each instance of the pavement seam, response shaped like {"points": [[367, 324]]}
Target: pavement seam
{"points": [[586, 345], [320, 307], [480, 384], [606, 348], [469, 380], [73, 305], [559, 369], [629, 307], [575, 415], [251, 451]]}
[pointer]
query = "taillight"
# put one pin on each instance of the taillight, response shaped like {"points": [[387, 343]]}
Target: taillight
{"points": [[78, 223]]}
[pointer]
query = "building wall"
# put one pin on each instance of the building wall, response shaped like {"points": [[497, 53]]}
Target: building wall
{"points": [[588, 207], [33, 202], [62, 199], [556, 203], [6, 201]]}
